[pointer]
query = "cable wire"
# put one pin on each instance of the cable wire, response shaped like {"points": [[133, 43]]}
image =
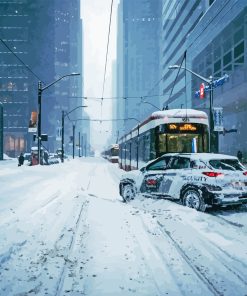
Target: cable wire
{"points": [[106, 58], [20, 60], [107, 49], [176, 78]]}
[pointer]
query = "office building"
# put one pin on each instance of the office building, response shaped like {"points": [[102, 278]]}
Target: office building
{"points": [[34, 49], [138, 63], [217, 46]]}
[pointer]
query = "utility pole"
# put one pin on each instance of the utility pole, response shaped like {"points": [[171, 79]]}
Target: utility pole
{"points": [[73, 140], [63, 116], [40, 90], [39, 121], [79, 150], [62, 156]]}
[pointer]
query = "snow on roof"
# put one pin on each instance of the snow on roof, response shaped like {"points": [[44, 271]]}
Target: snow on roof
{"points": [[179, 113]]}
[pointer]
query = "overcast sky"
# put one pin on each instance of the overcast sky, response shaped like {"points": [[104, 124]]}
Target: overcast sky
{"points": [[96, 15]]}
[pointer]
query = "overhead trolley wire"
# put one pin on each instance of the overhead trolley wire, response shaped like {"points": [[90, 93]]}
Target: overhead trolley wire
{"points": [[176, 76], [106, 58], [107, 50]]}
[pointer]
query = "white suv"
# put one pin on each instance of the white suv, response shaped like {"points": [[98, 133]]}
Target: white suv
{"points": [[197, 179]]}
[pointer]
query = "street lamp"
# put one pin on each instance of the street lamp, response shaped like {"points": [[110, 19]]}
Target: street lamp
{"points": [[62, 144], [210, 84], [40, 91]]}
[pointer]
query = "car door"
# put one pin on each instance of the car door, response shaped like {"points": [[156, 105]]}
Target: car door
{"points": [[153, 175], [174, 177]]}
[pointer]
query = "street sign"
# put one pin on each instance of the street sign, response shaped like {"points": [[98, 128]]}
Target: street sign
{"points": [[44, 138], [202, 93], [218, 119], [217, 82]]}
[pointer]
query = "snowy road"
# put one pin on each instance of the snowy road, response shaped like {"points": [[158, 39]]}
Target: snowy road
{"points": [[65, 231]]}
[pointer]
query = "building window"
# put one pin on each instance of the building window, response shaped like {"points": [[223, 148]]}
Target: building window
{"points": [[227, 58], [239, 50], [217, 66], [239, 35]]}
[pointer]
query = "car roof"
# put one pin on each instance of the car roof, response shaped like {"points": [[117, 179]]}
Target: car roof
{"points": [[160, 157], [207, 156], [195, 156]]}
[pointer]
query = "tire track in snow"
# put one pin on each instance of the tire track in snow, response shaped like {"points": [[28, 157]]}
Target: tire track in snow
{"points": [[48, 202], [236, 271], [157, 283], [15, 247], [70, 247], [90, 175], [236, 224], [224, 257], [195, 268], [166, 279]]}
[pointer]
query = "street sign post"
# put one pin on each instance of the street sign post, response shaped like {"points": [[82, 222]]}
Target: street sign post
{"points": [[218, 119], [215, 83]]}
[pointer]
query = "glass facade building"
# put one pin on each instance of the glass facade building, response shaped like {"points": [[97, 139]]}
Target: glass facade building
{"points": [[138, 65], [33, 48], [179, 18], [217, 46]]}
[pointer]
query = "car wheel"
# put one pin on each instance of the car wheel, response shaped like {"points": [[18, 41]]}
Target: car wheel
{"points": [[192, 198], [128, 192]]}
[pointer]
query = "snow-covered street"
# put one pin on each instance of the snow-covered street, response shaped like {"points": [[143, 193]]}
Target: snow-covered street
{"points": [[65, 231]]}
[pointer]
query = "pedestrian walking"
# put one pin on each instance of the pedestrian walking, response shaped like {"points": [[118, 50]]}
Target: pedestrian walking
{"points": [[20, 160]]}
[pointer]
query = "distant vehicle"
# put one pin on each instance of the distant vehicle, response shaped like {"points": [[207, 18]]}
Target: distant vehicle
{"points": [[112, 153], [198, 180], [53, 160], [27, 156], [175, 130]]}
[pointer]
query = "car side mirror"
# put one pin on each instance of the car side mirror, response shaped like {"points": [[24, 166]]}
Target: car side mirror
{"points": [[143, 169]]}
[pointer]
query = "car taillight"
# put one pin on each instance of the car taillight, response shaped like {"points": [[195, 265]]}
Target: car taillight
{"points": [[212, 174], [151, 182], [245, 173]]}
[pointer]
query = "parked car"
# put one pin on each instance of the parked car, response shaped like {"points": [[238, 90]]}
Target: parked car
{"points": [[27, 156], [198, 180], [53, 159]]}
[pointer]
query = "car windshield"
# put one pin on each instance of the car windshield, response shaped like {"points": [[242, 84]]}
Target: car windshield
{"points": [[226, 164]]}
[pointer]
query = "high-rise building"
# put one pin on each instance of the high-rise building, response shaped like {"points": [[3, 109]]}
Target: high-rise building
{"points": [[179, 18], [217, 46], [138, 63], [19, 63], [40, 41], [213, 35], [68, 59]]}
